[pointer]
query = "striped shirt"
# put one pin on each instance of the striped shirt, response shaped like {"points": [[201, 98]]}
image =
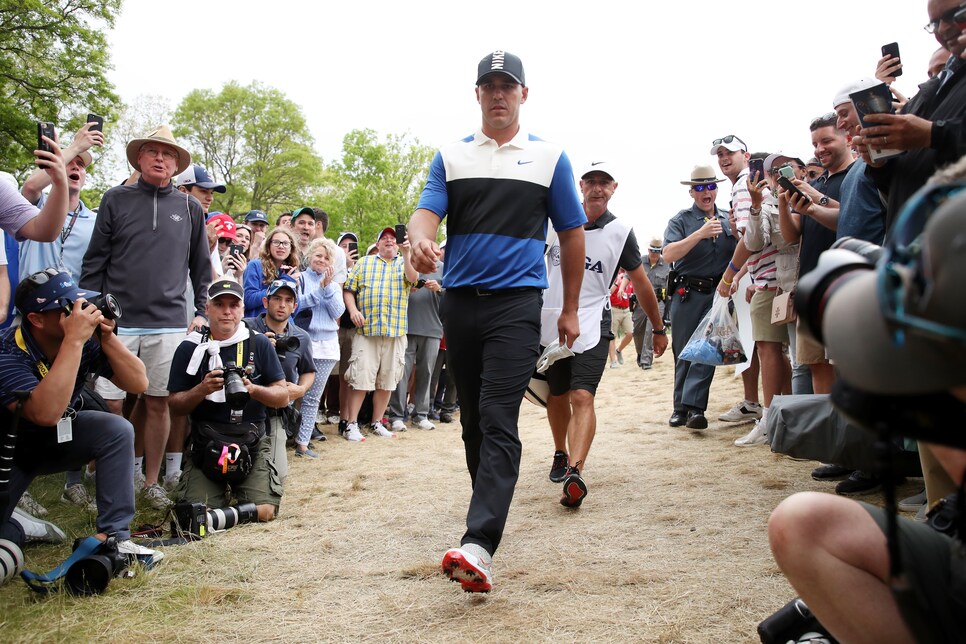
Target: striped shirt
{"points": [[382, 294], [741, 200], [21, 370]]}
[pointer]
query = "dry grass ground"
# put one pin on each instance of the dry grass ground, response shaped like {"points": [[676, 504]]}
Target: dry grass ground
{"points": [[670, 545]]}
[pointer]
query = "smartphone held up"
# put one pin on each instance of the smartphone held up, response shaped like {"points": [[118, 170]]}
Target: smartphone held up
{"points": [[45, 129]]}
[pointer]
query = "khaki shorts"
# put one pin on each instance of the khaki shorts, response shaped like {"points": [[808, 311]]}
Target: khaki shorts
{"points": [[808, 350], [262, 487], [345, 349], [762, 330], [620, 319], [376, 362], [155, 351]]}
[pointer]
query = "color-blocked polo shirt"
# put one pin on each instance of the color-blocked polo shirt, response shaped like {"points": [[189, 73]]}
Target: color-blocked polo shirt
{"points": [[496, 201]]}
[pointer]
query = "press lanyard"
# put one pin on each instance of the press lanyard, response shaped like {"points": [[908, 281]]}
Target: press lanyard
{"points": [[41, 367], [65, 233]]}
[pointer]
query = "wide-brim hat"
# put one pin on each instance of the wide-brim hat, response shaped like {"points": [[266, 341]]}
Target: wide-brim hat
{"points": [[656, 245], [702, 175], [160, 134]]}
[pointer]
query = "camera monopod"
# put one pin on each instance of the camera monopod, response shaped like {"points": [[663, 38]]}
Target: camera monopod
{"points": [[8, 445]]}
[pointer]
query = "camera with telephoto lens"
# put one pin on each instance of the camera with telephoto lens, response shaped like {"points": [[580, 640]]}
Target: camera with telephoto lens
{"points": [[286, 343], [236, 394], [846, 259], [92, 574], [11, 560], [106, 303], [195, 521]]}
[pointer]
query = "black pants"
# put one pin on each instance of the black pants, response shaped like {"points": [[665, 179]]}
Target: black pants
{"points": [[692, 381], [492, 342]]}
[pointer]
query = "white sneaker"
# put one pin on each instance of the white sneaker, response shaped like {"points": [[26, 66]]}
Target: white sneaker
{"points": [[30, 505], [35, 529], [380, 430], [143, 555], [171, 480], [334, 420], [398, 426], [156, 497], [138, 479], [78, 495], [425, 424], [757, 436], [742, 412], [353, 434], [614, 364]]}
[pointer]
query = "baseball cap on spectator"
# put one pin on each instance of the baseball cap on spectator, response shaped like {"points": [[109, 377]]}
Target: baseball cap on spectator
{"points": [[842, 96], [387, 229], [227, 225], [160, 134], [304, 210], [342, 236], [225, 287], [86, 155], [771, 159], [256, 215], [814, 162], [48, 290], [730, 142], [285, 281], [599, 166], [196, 175], [501, 62]]}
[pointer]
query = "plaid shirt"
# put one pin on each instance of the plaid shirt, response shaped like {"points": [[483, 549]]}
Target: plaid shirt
{"points": [[382, 294]]}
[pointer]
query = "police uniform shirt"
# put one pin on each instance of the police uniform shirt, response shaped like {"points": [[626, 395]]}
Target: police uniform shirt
{"points": [[658, 273], [296, 362], [267, 370], [709, 257]]}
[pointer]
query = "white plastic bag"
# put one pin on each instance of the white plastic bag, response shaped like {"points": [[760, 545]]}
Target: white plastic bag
{"points": [[715, 341]]}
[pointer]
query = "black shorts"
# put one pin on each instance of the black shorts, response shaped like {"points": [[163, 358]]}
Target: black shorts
{"points": [[582, 371], [935, 566]]}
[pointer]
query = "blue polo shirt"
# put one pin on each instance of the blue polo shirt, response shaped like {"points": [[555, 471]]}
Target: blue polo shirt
{"points": [[496, 201]]}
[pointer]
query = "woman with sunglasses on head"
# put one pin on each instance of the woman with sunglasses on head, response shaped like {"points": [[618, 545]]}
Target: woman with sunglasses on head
{"points": [[279, 257], [700, 242]]}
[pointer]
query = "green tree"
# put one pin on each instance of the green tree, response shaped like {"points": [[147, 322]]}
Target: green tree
{"points": [[255, 140], [375, 184], [53, 65]]}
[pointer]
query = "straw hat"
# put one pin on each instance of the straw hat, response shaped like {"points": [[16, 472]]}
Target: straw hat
{"points": [[160, 134], [702, 175]]}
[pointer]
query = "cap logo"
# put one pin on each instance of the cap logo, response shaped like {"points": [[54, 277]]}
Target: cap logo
{"points": [[226, 285], [497, 60], [41, 300]]}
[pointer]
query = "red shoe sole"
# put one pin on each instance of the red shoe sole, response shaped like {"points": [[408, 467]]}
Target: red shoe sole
{"points": [[574, 492], [457, 568]]}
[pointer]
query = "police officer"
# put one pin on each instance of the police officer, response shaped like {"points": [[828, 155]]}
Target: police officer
{"points": [[228, 446], [280, 301], [657, 271], [699, 242]]}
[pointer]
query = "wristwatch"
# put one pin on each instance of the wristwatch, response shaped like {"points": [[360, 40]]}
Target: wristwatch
{"points": [[660, 331], [823, 201]]}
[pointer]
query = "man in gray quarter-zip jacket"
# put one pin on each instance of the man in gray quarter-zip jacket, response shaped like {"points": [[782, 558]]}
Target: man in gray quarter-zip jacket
{"points": [[148, 240]]}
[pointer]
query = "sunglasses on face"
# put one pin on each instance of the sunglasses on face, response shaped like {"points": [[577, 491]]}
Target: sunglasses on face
{"points": [[705, 186], [42, 277]]}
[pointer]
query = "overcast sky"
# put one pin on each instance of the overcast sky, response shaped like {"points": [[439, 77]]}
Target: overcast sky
{"points": [[646, 86]]}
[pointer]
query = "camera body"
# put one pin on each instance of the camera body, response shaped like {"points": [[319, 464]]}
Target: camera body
{"points": [[106, 303], [195, 521], [236, 393], [286, 343], [92, 574]]}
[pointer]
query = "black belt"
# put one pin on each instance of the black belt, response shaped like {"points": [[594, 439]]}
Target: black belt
{"points": [[482, 292], [700, 284]]}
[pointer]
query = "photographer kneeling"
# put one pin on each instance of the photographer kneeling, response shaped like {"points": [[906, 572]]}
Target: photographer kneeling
{"points": [[224, 378], [897, 334], [50, 356]]}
